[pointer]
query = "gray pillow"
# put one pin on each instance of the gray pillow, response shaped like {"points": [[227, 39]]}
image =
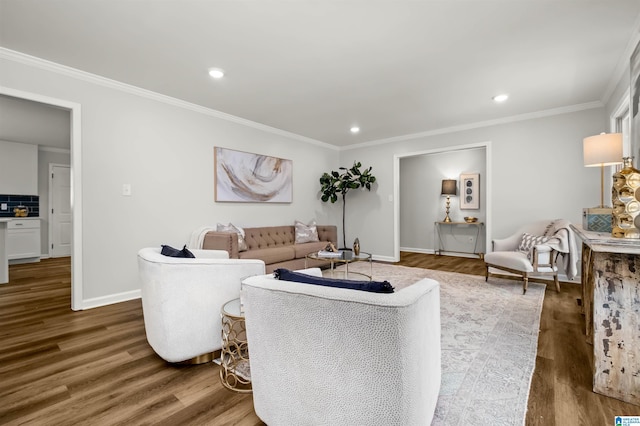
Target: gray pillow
{"points": [[306, 233], [529, 241], [242, 244]]}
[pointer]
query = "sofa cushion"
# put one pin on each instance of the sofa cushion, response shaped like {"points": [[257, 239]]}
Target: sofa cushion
{"points": [[302, 250], [300, 277], [509, 259], [270, 255], [306, 233]]}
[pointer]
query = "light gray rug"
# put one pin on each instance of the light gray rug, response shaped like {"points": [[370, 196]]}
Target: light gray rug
{"points": [[489, 343]]}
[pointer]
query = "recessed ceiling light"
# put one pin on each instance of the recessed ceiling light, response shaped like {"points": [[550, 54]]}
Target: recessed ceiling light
{"points": [[355, 129], [500, 98], [216, 73]]}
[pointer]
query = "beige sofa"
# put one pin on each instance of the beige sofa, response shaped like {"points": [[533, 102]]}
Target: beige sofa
{"points": [[275, 245]]}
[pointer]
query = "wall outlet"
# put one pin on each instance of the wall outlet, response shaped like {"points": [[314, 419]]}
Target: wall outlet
{"points": [[3, 206]]}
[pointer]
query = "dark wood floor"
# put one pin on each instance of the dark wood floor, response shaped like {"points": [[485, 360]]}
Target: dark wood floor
{"points": [[95, 367]]}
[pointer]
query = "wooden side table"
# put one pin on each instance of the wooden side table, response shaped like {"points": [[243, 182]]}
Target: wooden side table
{"points": [[235, 372]]}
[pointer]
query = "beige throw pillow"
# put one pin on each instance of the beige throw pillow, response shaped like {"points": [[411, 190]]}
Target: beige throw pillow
{"points": [[529, 241], [306, 233], [242, 244]]}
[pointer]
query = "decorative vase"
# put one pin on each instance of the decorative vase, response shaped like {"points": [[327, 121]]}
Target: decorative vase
{"points": [[625, 196], [356, 247]]}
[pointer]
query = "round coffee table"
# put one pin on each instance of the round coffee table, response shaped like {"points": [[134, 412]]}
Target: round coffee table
{"points": [[235, 373], [343, 257]]}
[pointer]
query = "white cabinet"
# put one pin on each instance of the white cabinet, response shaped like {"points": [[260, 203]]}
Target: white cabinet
{"points": [[23, 239]]}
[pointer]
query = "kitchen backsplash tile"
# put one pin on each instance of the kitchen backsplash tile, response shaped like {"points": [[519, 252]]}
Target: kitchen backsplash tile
{"points": [[13, 201]]}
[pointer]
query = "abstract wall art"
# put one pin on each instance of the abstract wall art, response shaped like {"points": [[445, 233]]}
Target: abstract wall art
{"points": [[249, 178]]}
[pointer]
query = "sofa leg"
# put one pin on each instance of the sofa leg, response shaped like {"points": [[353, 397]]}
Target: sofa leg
{"points": [[486, 273], [555, 279], [525, 284]]}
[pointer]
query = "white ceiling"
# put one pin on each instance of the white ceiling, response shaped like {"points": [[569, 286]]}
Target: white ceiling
{"points": [[315, 68]]}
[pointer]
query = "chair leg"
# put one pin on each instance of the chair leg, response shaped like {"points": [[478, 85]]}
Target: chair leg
{"points": [[555, 280], [525, 283], [486, 273]]}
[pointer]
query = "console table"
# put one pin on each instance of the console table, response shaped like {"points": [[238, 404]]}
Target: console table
{"points": [[611, 303], [452, 225]]}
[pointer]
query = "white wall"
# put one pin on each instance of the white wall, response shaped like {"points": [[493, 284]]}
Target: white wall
{"points": [[18, 168], [46, 157], [421, 203], [536, 166], [166, 153]]}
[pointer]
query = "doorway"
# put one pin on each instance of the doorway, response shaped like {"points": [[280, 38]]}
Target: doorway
{"points": [[486, 146], [75, 187]]}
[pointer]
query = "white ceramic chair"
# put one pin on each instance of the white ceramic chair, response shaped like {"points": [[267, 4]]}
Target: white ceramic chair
{"points": [[506, 256], [330, 356], [181, 300]]}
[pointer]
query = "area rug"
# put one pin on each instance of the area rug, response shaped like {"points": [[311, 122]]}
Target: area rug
{"points": [[489, 343]]}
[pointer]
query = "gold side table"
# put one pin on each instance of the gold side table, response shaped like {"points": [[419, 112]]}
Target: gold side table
{"points": [[235, 372]]}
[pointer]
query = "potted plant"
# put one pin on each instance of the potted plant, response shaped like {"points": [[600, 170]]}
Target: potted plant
{"points": [[340, 183]]}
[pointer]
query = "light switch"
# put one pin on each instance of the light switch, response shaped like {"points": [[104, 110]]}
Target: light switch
{"points": [[3, 206], [126, 189]]}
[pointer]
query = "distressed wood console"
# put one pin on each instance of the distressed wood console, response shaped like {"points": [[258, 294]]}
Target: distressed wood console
{"points": [[611, 304]]}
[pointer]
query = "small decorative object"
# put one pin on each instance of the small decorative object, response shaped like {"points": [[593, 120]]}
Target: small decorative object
{"points": [[470, 191], [330, 247], [625, 195], [470, 219], [356, 247], [21, 211], [335, 183], [449, 188]]}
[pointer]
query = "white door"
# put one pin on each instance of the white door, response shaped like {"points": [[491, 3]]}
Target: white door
{"points": [[60, 214]]}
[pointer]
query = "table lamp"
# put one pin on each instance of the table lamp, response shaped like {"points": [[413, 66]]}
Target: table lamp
{"points": [[449, 188], [599, 151]]}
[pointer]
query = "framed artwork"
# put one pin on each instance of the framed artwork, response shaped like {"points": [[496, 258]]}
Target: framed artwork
{"points": [[250, 178], [469, 191], [635, 101]]}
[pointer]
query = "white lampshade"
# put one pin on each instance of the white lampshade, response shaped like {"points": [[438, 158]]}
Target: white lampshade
{"points": [[604, 149]]}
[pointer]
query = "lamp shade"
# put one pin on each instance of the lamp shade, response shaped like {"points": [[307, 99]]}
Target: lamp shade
{"points": [[449, 187], [604, 149]]}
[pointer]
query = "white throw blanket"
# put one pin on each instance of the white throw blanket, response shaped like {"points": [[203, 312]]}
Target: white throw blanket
{"points": [[197, 236], [562, 239]]}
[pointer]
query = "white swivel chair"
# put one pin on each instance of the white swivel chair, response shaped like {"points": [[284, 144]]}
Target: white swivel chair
{"points": [[182, 298], [331, 356], [540, 260]]}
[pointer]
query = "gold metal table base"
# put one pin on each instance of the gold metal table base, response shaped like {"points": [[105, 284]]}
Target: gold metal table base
{"points": [[235, 373]]}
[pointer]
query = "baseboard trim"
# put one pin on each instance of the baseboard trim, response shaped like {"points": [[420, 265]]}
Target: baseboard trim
{"points": [[111, 299]]}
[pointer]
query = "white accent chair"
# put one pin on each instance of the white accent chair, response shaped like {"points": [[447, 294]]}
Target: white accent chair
{"points": [[182, 298], [330, 356], [506, 257]]}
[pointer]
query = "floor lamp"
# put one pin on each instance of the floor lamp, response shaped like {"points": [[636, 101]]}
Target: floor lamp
{"points": [[599, 151], [449, 188]]}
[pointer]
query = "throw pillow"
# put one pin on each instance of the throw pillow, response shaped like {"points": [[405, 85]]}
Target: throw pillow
{"points": [[528, 241], [174, 252], [300, 277], [306, 233], [242, 244]]}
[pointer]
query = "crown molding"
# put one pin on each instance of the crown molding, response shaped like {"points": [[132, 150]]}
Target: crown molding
{"points": [[479, 124], [77, 74]]}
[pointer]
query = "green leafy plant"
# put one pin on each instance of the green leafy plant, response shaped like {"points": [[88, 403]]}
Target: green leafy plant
{"points": [[340, 183]]}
